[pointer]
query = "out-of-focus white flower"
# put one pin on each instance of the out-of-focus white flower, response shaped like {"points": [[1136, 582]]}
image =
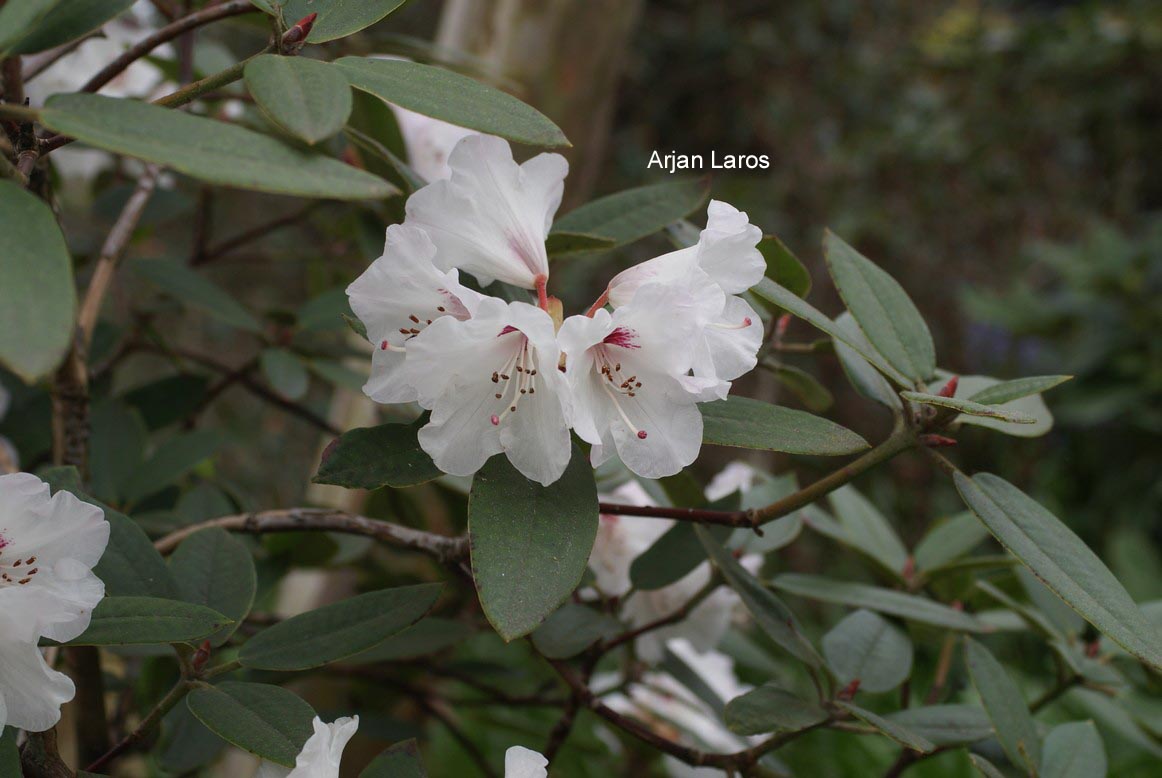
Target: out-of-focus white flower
{"points": [[620, 540], [429, 142], [72, 71], [735, 477], [521, 762], [492, 385], [625, 371], [321, 754], [491, 217], [722, 264], [671, 709], [397, 297], [48, 547]]}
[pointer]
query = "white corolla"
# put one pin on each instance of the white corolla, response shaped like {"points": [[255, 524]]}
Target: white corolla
{"points": [[321, 754], [625, 370], [521, 762], [493, 385], [491, 217], [396, 298], [723, 264], [429, 142], [48, 548]]}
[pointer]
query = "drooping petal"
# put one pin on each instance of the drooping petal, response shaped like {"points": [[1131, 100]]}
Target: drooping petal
{"points": [[521, 762], [396, 298], [30, 691], [492, 216], [322, 754]]}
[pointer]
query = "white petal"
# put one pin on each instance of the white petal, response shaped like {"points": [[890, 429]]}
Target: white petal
{"points": [[521, 762], [726, 249], [672, 268], [31, 692], [728, 346], [429, 142], [735, 477], [492, 216], [451, 348], [672, 424], [398, 296]]}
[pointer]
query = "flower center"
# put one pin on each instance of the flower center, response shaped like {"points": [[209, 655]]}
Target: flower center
{"points": [[516, 380], [415, 323], [15, 571]]}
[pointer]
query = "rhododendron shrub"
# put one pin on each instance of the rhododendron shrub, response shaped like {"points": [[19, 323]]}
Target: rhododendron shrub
{"points": [[556, 528]]}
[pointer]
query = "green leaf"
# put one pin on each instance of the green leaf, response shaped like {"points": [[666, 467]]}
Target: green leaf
{"points": [[945, 725], [1114, 720], [572, 629], [769, 612], [866, 379], [787, 300], [969, 407], [193, 290], [530, 543], [672, 556], [868, 530], [372, 457], [561, 244], [1062, 561], [37, 299], [308, 98], [806, 387], [1032, 405], [426, 636], [635, 213], [401, 760], [905, 606], [338, 18], [215, 569], [285, 372], [949, 540], [985, 767], [783, 267], [339, 630], [882, 309], [770, 708], [9, 754], [454, 98], [208, 150], [745, 423], [69, 20], [1005, 706], [117, 443], [1074, 750], [171, 460], [259, 718], [19, 19], [1007, 391], [381, 160], [867, 647], [893, 729], [124, 621], [131, 566]]}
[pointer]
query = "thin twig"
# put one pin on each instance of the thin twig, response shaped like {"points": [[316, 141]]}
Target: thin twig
{"points": [[253, 234], [447, 550]]}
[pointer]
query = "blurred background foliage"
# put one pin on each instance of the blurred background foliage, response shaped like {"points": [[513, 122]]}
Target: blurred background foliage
{"points": [[1001, 159]]}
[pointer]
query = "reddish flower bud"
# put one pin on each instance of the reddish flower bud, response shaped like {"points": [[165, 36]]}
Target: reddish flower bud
{"points": [[201, 656], [937, 441], [909, 568], [949, 389], [301, 29], [847, 693], [781, 325], [1092, 649]]}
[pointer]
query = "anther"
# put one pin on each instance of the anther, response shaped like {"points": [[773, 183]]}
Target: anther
{"points": [[417, 321]]}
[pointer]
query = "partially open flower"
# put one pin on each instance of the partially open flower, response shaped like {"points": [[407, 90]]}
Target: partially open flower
{"points": [[396, 298], [321, 754], [48, 547], [492, 216], [625, 370], [492, 383]]}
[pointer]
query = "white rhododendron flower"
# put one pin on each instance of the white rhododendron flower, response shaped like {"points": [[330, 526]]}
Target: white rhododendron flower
{"points": [[492, 385], [722, 264], [620, 540], [321, 754], [429, 142], [625, 372], [492, 216], [48, 547], [521, 762], [396, 298], [735, 477], [664, 704]]}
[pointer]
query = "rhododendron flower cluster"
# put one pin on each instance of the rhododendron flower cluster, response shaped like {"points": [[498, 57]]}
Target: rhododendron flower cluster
{"points": [[507, 377]]}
